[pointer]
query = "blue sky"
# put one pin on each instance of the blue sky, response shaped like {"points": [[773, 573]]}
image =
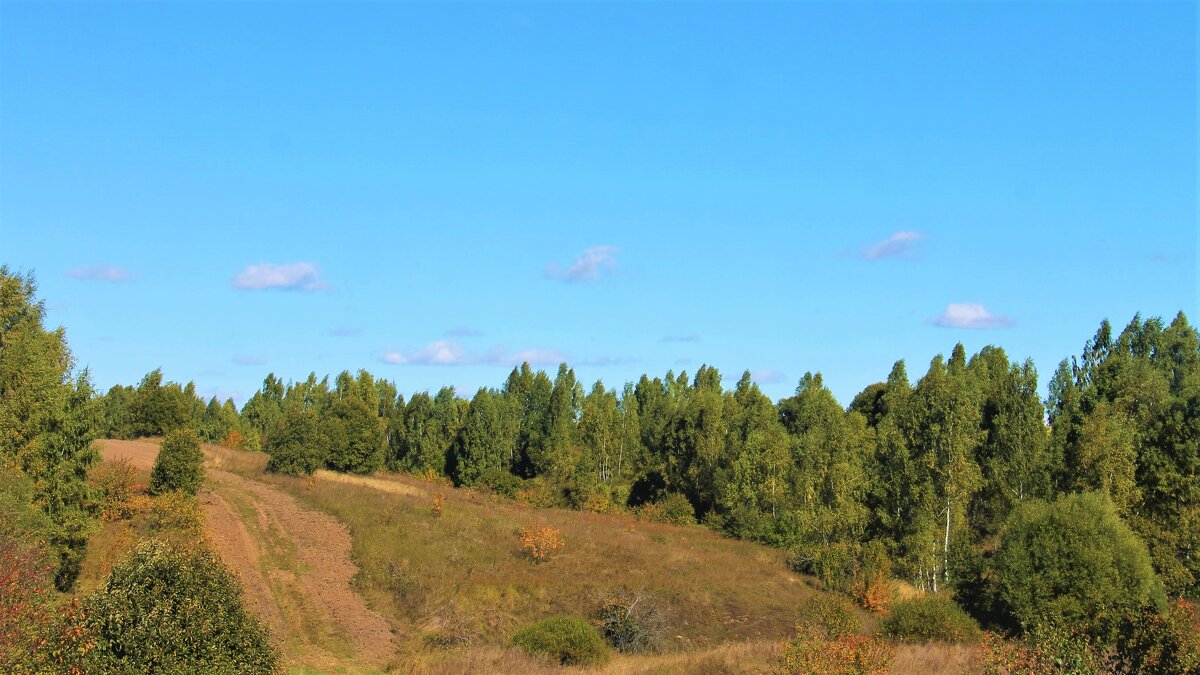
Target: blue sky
{"points": [[433, 192]]}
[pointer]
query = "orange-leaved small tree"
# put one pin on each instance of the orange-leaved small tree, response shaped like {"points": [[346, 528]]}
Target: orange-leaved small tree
{"points": [[540, 541]]}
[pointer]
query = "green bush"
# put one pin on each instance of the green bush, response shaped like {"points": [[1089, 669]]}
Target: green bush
{"points": [[567, 639], [1073, 563], [178, 466], [930, 618], [1168, 643], [674, 508], [171, 609], [294, 443], [828, 617]]}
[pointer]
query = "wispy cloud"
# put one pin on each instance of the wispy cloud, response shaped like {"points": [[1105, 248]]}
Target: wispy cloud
{"points": [[602, 361], [109, 273], [297, 276], [900, 244], [437, 353], [592, 265], [464, 331], [767, 376], [451, 353], [249, 360], [681, 338], [970, 315], [345, 331]]}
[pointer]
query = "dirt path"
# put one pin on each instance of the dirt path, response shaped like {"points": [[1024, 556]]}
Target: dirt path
{"points": [[294, 564]]}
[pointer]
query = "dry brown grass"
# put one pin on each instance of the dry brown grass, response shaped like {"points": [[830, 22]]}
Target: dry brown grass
{"points": [[934, 657]]}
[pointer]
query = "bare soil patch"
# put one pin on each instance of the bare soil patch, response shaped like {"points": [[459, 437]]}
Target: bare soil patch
{"points": [[294, 563]]}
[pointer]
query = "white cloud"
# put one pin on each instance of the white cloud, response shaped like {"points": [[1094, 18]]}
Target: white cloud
{"points": [[601, 361], [970, 315], [249, 360], [437, 353], [296, 276], [899, 244], [451, 353], [113, 275], [593, 264], [767, 376]]}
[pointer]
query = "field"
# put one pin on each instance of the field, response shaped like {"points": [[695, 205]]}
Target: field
{"points": [[358, 574]]}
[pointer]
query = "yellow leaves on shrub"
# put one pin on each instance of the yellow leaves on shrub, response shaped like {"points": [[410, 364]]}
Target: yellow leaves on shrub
{"points": [[841, 655], [177, 512], [118, 487], [438, 504], [875, 596], [541, 542], [233, 440]]}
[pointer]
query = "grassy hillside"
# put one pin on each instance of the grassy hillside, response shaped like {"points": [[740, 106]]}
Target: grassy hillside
{"points": [[453, 587]]}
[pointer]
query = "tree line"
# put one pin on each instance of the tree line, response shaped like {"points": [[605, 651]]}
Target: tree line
{"points": [[915, 477]]}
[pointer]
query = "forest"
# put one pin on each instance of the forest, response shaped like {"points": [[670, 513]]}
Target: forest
{"points": [[1071, 520]]}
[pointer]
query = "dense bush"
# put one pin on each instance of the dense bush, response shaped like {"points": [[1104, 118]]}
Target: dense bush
{"points": [[115, 484], [828, 616], [1168, 644], [567, 639], [674, 508], [540, 542], [929, 618], [179, 464], [631, 622], [26, 599], [827, 641], [174, 609], [1075, 563], [294, 443]]}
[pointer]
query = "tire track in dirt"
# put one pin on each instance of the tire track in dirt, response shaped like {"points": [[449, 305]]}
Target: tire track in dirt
{"points": [[294, 564]]}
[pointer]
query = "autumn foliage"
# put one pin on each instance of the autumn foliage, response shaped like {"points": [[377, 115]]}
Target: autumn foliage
{"points": [[541, 542]]}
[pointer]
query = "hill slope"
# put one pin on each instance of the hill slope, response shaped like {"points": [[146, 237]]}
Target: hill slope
{"points": [[444, 593]]}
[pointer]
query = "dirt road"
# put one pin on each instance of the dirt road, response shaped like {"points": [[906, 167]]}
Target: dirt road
{"points": [[294, 564]]}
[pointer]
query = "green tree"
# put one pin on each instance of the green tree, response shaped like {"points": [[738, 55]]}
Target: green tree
{"points": [[174, 610], [295, 442], [477, 452], [179, 466], [47, 421], [1073, 563]]}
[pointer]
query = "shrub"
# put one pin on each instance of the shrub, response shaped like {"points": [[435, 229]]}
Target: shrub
{"points": [[26, 598], [115, 484], [674, 508], [294, 443], [233, 440], [438, 505], [175, 512], [1150, 642], [828, 617], [631, 622], [500, 481], [1050, 651], [178, 466], [566, 639], [174, 609], [844, 655], [827, 642], [930, 618], [1075, 563], [541, 542]]}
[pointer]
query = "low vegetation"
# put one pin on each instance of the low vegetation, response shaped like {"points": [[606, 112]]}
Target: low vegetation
{"points": [[569, 640], [179, 466], [932, 618]]}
